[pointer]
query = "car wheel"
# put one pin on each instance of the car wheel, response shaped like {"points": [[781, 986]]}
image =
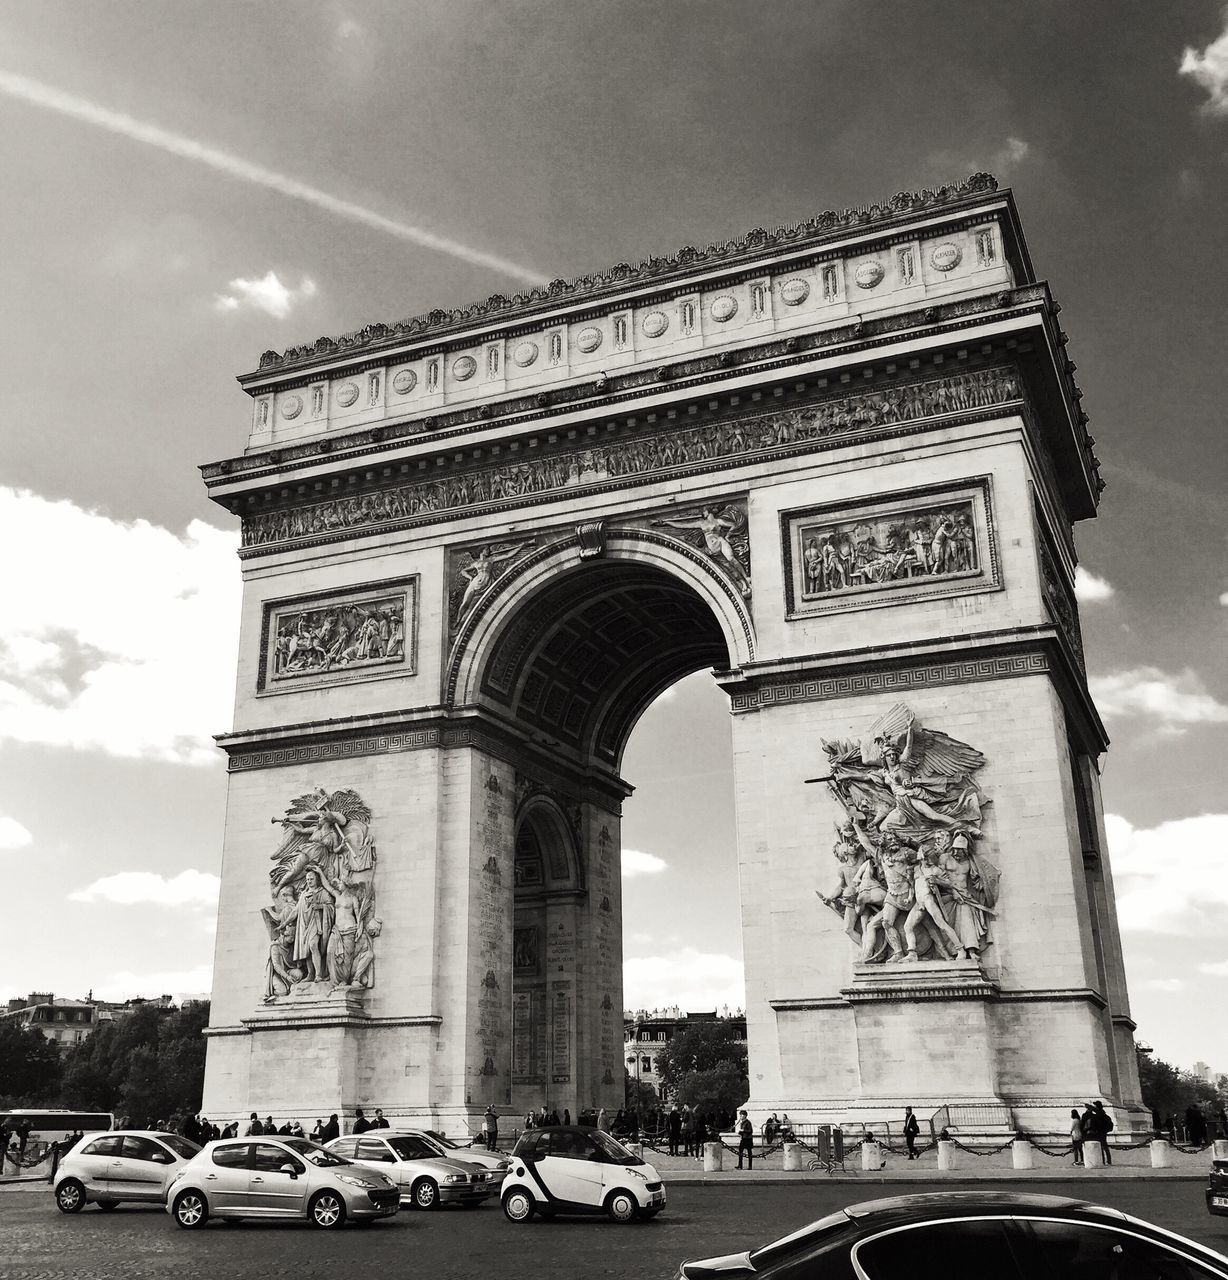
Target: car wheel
{"points": [[191, 1210], [70, 1196], [107, 1205], [622, 1206], [327, 1210], [518, 1206], [425, 1194]]}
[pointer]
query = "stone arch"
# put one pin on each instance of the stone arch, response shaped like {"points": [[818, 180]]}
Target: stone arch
{"points": [[575, 641], [546, 847]]}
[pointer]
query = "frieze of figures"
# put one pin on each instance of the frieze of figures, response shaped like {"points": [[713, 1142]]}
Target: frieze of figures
{"points": [[911, 883], [321, 923], [337, 636], [781, 430]]}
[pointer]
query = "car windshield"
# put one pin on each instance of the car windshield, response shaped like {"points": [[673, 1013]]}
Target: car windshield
{"points": [[798, 1241], [612, 1149], [411, 1148], [443, 1142], [315, 1155], [180, 1146]]}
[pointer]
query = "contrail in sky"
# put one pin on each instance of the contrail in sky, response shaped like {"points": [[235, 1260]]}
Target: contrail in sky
{"points": [[67, 104]]}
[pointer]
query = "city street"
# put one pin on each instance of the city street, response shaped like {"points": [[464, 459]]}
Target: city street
{"points": [[36, 1241]]}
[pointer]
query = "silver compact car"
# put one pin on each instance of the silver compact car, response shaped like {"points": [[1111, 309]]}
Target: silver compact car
{"points": [[495, 1163], [129, 1164], [271, 1177], [425, 1179]]}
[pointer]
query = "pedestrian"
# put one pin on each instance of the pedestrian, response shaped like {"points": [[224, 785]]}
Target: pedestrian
{"points": [[688, 1130], [567, 1115], [603, 1121], [254, 1127], [1104, 1126], [1076, 1135], [911, 1130], [673, 1128], [269, 1126], [490, 1127], [746, 1140], [331, 1130], [379, 1122], [361, 1123], [786, 1129]]}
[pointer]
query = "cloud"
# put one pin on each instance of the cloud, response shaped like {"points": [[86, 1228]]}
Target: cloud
{"points": [[1089, 589], [179, 983], [188, 888], [1164, 984], [636, 863], [1216, 968], [692, 979], [1208, 68], [1171, 702], [1223, 599], [1170, 878], [1010, 155], [12, 834], [267, 294], [118, 637], [52, 99]]}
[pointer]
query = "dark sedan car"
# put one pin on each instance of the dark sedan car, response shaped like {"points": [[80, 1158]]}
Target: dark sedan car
{"points": [[1217, 1192], [972, 1236]]}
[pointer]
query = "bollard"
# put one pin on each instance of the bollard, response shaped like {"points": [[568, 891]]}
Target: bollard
{"points": [[871, 1155], [1219, 1149], [1093, 1154], [714, 1157], [946, 1155], [1021, 1154], [1161, 1154], [793, 1156]]}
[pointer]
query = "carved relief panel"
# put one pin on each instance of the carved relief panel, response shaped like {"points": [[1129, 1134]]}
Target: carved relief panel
{"points": [[339, 636], [883, 550]]}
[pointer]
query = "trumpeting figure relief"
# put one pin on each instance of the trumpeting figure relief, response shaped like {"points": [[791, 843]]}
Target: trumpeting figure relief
{"points": [[322, 921], [910, 884]]}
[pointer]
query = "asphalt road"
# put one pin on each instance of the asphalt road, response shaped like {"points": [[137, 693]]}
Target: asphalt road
{"points": [[37, 1241]]}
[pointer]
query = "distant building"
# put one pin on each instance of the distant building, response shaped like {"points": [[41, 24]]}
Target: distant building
{"points": [[1204, 1072], [646, 1034], [71, 1021]]}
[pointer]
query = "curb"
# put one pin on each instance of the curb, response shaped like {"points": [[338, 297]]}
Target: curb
{"points": [[929, 1181]]}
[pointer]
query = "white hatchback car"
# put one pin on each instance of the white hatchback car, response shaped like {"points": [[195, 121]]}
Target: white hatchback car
{"points": [[495, 1163], [424, 1179], [128, 1164], [567, 1169]]}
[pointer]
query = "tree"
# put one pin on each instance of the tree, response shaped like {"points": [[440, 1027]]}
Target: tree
{"points": [[29, 1067], [1171, 1090], [148, 1065], [638, 1096], [718, 1091], [701, 1046]]}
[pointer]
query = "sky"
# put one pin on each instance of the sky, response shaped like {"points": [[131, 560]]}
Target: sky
{"points": [[187, 185]]}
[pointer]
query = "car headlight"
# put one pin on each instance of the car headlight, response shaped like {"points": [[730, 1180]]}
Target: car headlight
{"points": [[352, 1181], [456, 1177], [504, 1164], [635, 1173]]}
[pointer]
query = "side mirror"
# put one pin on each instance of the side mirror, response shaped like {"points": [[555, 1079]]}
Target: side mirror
{"points": [[292, 1170]]}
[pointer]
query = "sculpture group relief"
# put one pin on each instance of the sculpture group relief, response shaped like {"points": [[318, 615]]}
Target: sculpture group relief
{"points": [[911, 883], [778, 431], [337, 635], [861, 554], [322, 924]]}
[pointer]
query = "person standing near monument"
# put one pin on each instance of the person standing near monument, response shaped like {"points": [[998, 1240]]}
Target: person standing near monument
{"points": [[746, 1140], [1104, 1126], [1076, 1135], [673, 1126], [911, 1130], [361, 1123], [490, 1128]]}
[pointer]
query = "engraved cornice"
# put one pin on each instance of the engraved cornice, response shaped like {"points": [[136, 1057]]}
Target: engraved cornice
{"points": [[746, 249]]}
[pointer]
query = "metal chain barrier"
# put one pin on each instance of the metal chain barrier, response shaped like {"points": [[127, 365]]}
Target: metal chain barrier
{"points": [[983, 1151]]}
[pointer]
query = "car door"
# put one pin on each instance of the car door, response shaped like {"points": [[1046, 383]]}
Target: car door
{"points": [[272, 1191], [225, 1178], [572, 1169], [140, 1171], [374, 1152], [951, 1249], [94, 1162], [1105, 1251]]}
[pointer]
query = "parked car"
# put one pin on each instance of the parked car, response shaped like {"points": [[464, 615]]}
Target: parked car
{"points": [[424, 1179], [566, 1169], [951, 1235], [1217, 1189], [495, 1163], [272, 1177], [129, 1164]]}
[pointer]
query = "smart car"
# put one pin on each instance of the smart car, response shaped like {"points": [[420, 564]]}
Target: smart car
{"points": [[1217, 1190], [129, 1164], [272, 1177], [953, 1235], [565, 1169], [422, 1177]]}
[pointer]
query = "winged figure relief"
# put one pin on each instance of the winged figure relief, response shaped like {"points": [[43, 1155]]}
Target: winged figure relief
{"points": [[329, 832], [722, 533]]}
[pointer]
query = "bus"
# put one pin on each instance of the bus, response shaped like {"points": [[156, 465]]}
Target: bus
{"points": [[48, 1126]]}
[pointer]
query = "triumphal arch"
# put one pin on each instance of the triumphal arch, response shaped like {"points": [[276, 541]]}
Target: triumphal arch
{"points": [[838, 465]]}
